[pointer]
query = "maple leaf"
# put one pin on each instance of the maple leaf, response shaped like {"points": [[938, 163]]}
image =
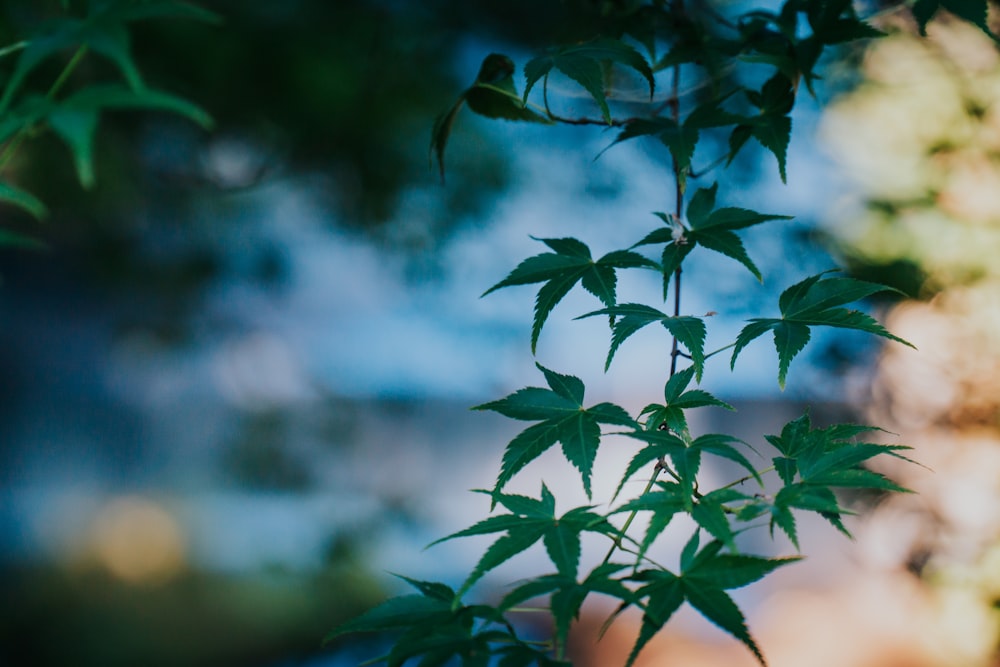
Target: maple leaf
{"points": [[630, 317], [562, 418], [704, 578], [772, 126], [529, 521], [566, 594], [493, 95], [571, 263], [812, 463], [676, 399], [707, 227], [815, 301], [434, 627], [680, 138], [584, 63]]}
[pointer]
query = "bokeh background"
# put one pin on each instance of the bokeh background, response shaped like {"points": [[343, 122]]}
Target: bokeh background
{"points": [[234, 386]]}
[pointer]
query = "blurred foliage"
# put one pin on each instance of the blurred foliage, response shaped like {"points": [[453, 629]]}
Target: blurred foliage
{"points": [[58, 617], [920, 135], [337, 97]]}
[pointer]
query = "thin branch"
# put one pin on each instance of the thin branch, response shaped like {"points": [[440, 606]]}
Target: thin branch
{"points": [[617, 544]]}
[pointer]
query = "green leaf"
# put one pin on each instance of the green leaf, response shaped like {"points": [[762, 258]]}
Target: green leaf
{"points": [[686, 464], [789, 339], [532, 403], [771, 127], [815, 301], [14, 240], [728, 571], [661, 444], [705, 577], [564, 420], [580, 438], [823, 459], [114, 96], [77, 127], [563, 269], [441, 131], [774, 133], [493, 95], [505, 548], [530, 521], [111, 40], [846, 456], [681, 140], [525, 448], [711, 516], [676, 384], [24, 200], [730, 245], [673, 255], [670, 500], [567, 596], [701, 205], [708, 227], [737, 218], [431, 589], [104, 31], [719, 608], [394, 613], [568, 387], [858, 478], [689, 331], [584, 64], [665, 595], [722, 446], [690, 549], [786, 468], [61, 34], [563, 546]]}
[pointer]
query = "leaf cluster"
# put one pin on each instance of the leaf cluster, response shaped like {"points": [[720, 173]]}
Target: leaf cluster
{"points": [[71, 106], [781, 47]]}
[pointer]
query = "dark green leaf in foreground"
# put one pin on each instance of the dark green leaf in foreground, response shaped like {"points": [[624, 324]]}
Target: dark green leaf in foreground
{"points": [[571, 263], [815, 301], [104, 31], [22, 199]]}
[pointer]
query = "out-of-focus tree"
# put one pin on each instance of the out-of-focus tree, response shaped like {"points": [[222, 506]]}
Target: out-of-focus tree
{"points": [[921, 135]]}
